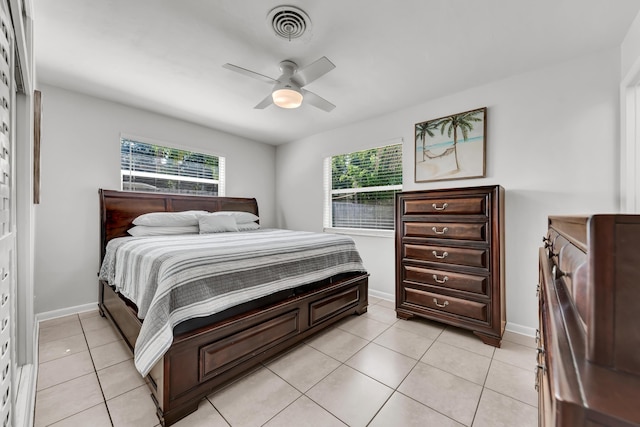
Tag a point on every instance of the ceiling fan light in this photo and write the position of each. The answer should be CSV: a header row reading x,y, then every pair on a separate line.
x,y
287,98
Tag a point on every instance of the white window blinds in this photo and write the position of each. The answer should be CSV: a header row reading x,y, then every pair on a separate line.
x,y
156,168
360,188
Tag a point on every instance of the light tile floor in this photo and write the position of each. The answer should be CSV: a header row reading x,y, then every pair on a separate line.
x,y
369,370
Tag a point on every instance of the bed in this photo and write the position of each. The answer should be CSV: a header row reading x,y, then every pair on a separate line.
x,y
207,352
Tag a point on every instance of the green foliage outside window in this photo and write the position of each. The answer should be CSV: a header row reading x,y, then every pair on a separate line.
x,y
368,168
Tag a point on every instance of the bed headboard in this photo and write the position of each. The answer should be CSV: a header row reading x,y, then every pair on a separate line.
x,y
118,209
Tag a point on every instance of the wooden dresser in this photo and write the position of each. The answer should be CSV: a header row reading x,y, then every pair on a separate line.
x,y
449,258
588,367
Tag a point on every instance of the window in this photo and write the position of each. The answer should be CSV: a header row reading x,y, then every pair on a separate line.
x,y
156,168
360,188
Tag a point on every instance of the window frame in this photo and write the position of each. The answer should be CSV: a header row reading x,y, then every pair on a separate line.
x,y
151,141
327,216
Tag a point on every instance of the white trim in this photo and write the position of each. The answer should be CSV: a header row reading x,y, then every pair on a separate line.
x,y
630,141
40,317
521,329
23,35
167,176
523,333
367,189
364,145
327,216
25,402
26,396
389,234
166,143
382,295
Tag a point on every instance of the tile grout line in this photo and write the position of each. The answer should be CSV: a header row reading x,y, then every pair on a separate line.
x,y
94,372
396,390
341,363
104,399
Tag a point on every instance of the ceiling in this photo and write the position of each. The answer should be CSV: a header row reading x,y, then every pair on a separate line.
x,y
166,56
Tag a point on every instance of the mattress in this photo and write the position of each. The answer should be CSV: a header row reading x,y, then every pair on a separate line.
x,y
172,279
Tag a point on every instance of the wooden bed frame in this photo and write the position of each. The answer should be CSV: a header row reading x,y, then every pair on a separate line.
x,y
206,358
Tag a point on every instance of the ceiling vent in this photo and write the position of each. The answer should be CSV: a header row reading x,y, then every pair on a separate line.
x,y
289,22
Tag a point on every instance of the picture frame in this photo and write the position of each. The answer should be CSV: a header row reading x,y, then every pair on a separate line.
x,y
451,147
37,119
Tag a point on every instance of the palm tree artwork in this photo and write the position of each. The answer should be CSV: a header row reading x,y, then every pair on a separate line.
x,y
462,121
423,130
440,153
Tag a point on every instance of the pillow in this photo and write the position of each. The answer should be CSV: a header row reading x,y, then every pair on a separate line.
x,y
145,230
169,219
248,226
217,223
241,217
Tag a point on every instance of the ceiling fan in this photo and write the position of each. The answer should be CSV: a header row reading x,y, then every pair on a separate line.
x,y
288,91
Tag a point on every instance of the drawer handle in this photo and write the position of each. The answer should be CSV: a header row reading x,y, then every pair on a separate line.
x,y
443,305
443,280
444,230
443,256
444,206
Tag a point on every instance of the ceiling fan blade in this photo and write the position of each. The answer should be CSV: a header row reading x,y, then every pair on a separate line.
x,y
313,71
317,101
250,73
264,103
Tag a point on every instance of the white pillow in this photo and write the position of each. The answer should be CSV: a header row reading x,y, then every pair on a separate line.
x,y
145,230
169,219
241,217
217,223
248,226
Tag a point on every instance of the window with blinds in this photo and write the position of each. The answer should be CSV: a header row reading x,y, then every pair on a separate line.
x,y
156,168
360,188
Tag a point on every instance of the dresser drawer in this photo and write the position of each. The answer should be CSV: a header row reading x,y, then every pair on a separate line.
x,y
446,279
447,255
472,309
447,230
446,206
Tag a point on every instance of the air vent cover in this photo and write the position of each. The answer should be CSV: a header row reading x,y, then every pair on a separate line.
x,y
289,22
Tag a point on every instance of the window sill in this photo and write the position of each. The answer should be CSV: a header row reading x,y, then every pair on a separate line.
x,y
360,232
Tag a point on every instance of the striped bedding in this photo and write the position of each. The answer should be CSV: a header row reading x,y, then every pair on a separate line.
x,y
175,278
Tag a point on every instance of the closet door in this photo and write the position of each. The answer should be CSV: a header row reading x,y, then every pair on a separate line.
x,y
7,222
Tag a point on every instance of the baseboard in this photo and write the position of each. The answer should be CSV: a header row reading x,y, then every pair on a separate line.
x,y
520,329
511,327
383,295
25,402
26,396
65,311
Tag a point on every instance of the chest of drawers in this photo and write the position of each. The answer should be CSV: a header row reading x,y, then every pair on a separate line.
x,y
588,358
449,258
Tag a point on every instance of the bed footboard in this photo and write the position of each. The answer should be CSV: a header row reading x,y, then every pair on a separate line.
x,y
202,360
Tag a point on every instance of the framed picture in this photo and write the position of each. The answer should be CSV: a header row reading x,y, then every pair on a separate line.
x,y
37,118
451,147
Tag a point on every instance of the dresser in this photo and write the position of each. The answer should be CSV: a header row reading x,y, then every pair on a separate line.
x,y
450,258
588,357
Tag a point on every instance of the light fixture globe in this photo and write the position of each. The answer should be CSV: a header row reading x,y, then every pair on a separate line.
x,y
287,97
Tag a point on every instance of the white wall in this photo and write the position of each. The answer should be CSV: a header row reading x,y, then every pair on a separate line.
x,y
631,47
80,154
551,143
